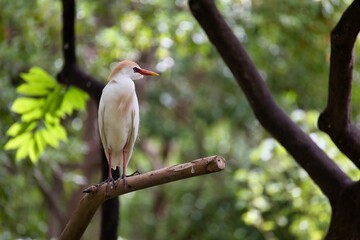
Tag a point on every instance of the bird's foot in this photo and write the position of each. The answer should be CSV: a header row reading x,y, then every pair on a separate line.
x,y
108,182
123,177
114,183
95,188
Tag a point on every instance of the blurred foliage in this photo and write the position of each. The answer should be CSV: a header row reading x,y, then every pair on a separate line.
x,y
194,109
281,200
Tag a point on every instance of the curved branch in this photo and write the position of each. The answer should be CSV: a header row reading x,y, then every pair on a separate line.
x,y
325,173
72,74
335,120
95,197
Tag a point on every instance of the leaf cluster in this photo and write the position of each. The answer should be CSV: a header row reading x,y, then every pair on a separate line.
x,y
41,108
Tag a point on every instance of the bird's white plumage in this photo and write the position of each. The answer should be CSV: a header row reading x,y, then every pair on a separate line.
x,y
118,115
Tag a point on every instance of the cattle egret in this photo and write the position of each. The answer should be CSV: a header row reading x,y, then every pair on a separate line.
x,y
118,116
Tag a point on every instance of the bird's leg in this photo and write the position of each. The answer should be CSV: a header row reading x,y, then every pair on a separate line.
x,y
124,166
110,177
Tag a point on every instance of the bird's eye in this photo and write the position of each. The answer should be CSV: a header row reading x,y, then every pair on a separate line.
x,y
136,69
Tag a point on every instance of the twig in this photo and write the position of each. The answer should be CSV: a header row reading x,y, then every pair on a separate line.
x,y
95,197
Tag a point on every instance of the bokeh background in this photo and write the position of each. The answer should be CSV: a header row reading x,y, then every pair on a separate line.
x,y
194,109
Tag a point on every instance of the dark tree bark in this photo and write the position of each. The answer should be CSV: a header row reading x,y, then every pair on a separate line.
x,y
336,118
342,192
72,74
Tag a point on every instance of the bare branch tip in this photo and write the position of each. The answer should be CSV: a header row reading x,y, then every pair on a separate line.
x,y
215,164
92,189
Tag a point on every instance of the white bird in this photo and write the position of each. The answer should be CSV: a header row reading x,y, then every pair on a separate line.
x,y
118,115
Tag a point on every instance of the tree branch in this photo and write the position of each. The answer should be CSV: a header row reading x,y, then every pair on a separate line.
x,y
94,198
325,173
335,120
71,73
68,31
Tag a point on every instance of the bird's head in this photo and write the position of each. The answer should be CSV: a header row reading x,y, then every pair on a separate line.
x,y
131,70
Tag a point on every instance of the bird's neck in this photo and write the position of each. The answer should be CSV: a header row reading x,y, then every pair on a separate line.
x,y
121,84
120,77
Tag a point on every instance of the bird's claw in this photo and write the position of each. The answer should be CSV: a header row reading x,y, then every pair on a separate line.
x,y
114,183
97,186
124,180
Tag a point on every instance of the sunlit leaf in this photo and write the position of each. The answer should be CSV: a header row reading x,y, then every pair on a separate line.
x,y
53,101
39,76
18,141
66,105
40,141
51,120
49,138
33,153
18,128
60,132
37,113
74,99
25,104
34,89
14,129
23,150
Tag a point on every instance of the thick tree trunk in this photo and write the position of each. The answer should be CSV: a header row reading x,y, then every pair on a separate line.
x,y
110,210
345,219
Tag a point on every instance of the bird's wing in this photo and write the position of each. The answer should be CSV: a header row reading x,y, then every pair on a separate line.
x,y
102,129
132,136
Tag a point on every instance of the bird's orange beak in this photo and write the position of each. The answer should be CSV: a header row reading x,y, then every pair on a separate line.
x,y
145,72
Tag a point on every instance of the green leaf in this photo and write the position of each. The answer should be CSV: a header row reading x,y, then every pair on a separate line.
x,y
18,141
60,132
53,102
34,89
33,115
74,99
39,76
24,149
14,129
49,137
25,104
40,142
19,128
34,152
51,120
